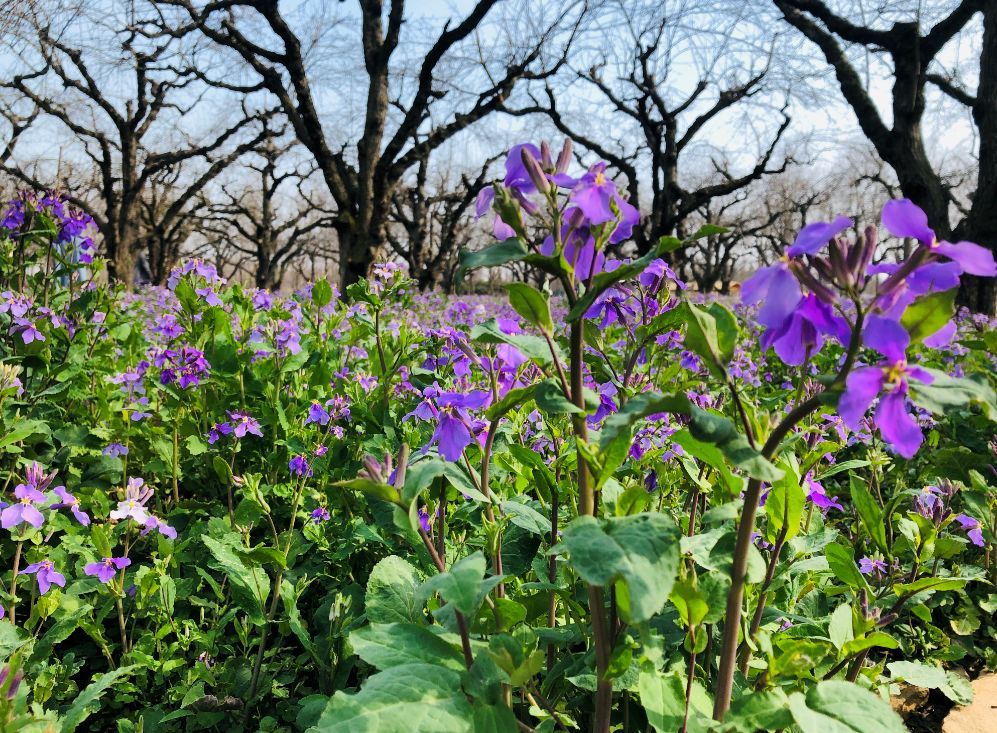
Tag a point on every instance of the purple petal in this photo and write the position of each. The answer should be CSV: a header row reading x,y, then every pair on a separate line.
x,y
755,287
934,276
887,337
941,337
593,201
484,201
897,426
972,258
453,437
904,218
783,297
814,236
861,388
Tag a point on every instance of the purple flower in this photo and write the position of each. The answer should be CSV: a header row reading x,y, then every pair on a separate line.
x,y
319,515
593,194
818,496
317,414
218,430
516,175
23,511
453,427
106,568
973,529
872,566
299,466
68,501
424,522
155,523
245,423
133,505
904,218
897,426
46,575
115,449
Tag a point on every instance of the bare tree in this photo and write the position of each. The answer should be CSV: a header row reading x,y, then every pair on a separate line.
x,y
120,139
274,219
398,109
655,126
912,54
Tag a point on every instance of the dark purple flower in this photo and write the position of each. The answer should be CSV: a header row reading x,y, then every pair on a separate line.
x,y
593,194
218,431
317,414
299,466
46,575
816,494
319,515
424,522
450,410
105,569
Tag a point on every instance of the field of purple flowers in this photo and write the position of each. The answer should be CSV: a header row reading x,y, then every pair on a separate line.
x,y
606,503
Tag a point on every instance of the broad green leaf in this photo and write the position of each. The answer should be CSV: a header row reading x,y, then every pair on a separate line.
x,y
690,602
81,708
533,347
926,315
663,698
512,399
711,333
642,550
501,253
289,595
551,399
839,628
394,645
526,517
368,486
755,711
461,585
784,506
322,293
710,428
869,641
918,673
392,593
929,583
531,304
947,393
869,512
419,476
621,423
833,706
842,563
250,586
414,697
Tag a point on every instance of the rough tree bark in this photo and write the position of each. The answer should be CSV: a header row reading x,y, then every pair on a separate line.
x,y
902,144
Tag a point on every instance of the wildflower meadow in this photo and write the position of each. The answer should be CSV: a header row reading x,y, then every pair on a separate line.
x,y
596,501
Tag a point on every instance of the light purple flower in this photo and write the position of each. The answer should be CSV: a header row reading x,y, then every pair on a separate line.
x,y
105,569
115,449
68,501
23,511
904,218
133,505
244,423
46,575
593,194
872,566
155,523
973,529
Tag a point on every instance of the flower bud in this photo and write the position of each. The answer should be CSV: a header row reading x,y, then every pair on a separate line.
x,y
564,157
546,159
535,171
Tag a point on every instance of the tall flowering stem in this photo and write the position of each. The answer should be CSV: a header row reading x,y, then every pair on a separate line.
x,y
746,527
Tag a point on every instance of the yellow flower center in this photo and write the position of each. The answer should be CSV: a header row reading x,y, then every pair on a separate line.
x,y
26,501
895,372
600,179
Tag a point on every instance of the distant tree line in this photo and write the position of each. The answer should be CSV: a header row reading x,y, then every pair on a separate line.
x,y
287,140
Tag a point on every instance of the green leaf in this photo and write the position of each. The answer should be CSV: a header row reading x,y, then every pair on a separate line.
x,y
754,711
869,641
642,550
531,304
461,585
839,628
946,393
710,428
289,596
420,476
394,645
926,315
512,399
833,706
369,486
663,698
917,673
495,718
414,697
784,506
250,586
81,708
711,333
322,293
551,399
502,253
869,513
392,593
526,517
533,347
621,423
841,560
929,583
690,602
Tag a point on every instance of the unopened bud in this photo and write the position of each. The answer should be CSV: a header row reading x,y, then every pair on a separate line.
x,y
564,157
839,265
535,171
546,159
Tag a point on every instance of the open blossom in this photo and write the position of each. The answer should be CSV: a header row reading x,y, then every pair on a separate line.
x,y
973,529
23,511
872,566
453,422
46,575
68,501
218,431
298,466
904,218
817,494
319,515
133,505
243,424
105,569
889,378
155,523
